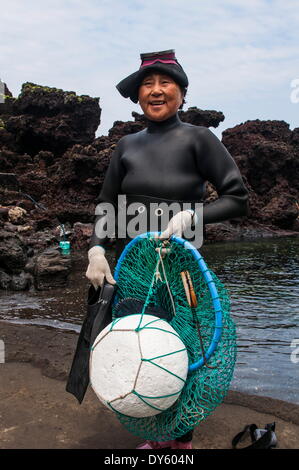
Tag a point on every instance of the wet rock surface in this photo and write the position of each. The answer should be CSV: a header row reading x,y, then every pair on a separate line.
x,y
52,166
51,269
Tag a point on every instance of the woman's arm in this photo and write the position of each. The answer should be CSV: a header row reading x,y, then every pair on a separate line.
x,y
218,167
108,198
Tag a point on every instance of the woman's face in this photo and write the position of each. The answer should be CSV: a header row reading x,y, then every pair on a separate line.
x,y
159,96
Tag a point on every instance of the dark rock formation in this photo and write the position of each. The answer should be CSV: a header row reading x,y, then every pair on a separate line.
x,y
121,128
267,153
52,166
200,117
50,119
13,256
13,259
51,269
81,235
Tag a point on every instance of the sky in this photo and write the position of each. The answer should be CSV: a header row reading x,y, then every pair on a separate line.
x,y
241,57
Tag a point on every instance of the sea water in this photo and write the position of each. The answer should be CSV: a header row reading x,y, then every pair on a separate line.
x,y
262,279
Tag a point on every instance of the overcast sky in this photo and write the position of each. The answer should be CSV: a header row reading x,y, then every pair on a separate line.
x,y
241,57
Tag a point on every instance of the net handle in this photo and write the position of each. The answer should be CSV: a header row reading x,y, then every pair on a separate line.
x,y
208,280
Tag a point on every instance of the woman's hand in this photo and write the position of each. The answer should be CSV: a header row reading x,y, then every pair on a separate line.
x,y
179,223
98,267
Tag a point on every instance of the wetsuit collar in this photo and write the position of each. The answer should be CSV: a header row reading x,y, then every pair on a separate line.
x,y
162,126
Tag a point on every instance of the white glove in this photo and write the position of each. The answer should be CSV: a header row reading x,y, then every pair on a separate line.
x,y
179,223
98,267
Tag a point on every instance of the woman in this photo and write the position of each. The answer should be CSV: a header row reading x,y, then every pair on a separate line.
x,y
169,161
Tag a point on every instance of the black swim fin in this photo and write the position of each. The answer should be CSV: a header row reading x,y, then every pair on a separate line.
x,y
99,315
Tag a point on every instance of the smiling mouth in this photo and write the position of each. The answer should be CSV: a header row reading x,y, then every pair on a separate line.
x,y
157,103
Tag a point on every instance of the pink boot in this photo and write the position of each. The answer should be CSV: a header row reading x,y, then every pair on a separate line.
x,y
155,445
181,445
166,444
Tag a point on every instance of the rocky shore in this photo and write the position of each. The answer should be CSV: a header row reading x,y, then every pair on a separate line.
x,y
52,168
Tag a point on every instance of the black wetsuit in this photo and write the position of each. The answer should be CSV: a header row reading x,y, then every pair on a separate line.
x,y
171,161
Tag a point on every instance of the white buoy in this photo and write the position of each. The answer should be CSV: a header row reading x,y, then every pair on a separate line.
x,y
138,365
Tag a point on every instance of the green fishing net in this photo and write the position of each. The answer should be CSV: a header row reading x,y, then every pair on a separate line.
x,y
152,279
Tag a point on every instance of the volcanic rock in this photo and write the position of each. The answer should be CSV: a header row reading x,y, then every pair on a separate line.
x,y
17,215
200,117
22,281
81,235
121,128
51,269
5,280
9,181
267,154
13,256
44,118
